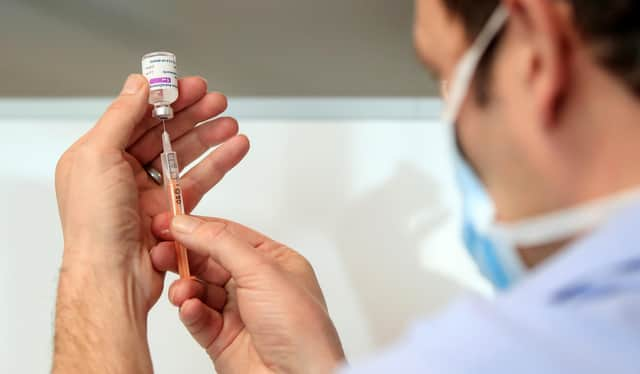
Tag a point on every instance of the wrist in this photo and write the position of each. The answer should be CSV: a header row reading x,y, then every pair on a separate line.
x,y
97,253
326,354
87,281
329,365
97,327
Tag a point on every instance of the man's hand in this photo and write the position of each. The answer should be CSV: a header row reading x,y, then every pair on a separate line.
x,y
106,200
255,305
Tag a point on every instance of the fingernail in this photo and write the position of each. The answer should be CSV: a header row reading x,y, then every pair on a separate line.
x,y
185,224
132,85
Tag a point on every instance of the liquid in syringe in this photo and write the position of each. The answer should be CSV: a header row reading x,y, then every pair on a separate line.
x,y
171,172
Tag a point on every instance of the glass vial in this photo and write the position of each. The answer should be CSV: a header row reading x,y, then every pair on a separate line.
x,y
160,70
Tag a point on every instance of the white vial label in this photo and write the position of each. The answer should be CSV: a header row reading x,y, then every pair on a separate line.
x,y
160,70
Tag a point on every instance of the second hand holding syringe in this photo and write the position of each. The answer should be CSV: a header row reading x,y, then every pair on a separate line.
x,y
171,172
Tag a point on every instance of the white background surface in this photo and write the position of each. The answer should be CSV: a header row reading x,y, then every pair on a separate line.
x,y
370,202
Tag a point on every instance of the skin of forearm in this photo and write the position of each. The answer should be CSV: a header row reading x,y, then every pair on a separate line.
x,y
97,328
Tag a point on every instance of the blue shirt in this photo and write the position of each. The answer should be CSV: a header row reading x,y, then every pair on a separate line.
x,y
579,313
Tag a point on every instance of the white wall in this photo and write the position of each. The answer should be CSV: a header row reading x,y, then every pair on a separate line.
x,y
370,202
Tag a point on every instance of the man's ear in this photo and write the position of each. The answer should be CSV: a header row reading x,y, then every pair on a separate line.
x,y
542,26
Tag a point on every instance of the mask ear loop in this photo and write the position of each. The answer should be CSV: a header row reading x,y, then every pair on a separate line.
x,y
563,225
466,68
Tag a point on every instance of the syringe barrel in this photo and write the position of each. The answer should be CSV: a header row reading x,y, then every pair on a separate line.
x,y
170,167
176,201
171,172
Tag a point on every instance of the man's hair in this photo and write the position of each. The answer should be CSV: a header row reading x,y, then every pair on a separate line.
x,y
610,28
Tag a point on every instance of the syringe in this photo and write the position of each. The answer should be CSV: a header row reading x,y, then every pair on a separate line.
x,y
171,173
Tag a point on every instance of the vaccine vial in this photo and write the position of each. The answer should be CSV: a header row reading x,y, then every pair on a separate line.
x,y
160,70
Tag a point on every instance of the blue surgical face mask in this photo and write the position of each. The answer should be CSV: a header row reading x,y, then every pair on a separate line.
x,y
478,210
494,245
498,263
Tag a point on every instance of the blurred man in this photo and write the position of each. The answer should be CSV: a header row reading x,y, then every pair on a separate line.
x,y
543,100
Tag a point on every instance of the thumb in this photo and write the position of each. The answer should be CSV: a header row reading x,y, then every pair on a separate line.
x,y
116,125
213,239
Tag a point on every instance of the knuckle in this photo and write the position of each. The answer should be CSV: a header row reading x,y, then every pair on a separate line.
x,y
117,105
301,264
305,264
217,167
202,138
62,164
